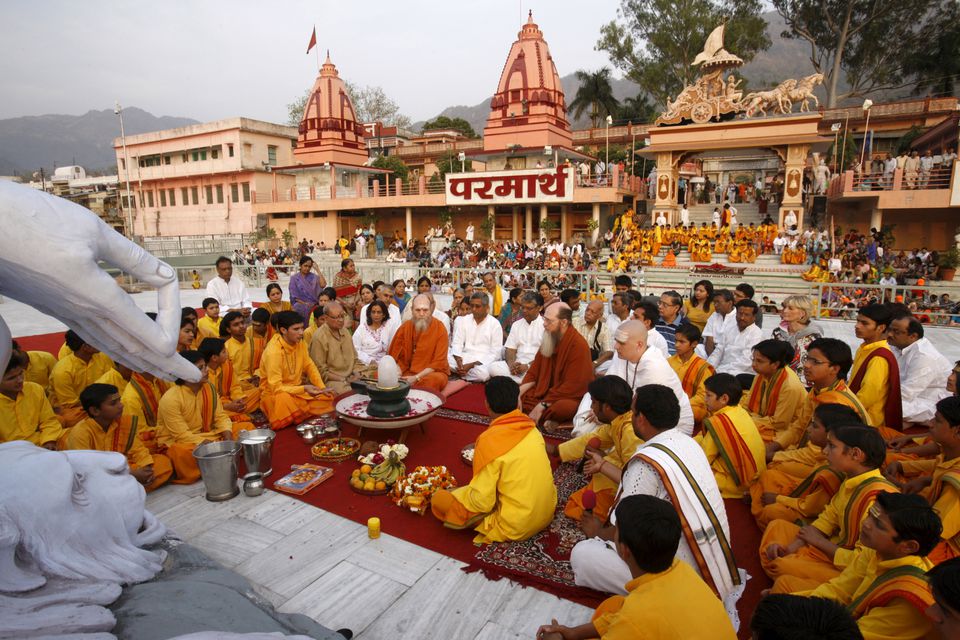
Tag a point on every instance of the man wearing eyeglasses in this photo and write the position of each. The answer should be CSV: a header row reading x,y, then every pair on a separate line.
x,y
670,306
923,369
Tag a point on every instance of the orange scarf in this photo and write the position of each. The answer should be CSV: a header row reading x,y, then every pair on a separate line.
x,y
765,392
126,431
735,453
149,399
208,406
909,583
822,477
501,436
696,372
861,499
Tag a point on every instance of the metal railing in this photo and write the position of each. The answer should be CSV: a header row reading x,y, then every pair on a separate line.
x,y
841,300
163,247
899,180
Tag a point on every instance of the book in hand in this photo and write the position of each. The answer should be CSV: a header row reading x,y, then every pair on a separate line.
x,y
302,478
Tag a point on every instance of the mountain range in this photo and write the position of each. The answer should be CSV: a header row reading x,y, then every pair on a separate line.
x,y
30,142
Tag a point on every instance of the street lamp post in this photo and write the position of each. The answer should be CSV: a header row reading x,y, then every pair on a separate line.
x,y
128,213
609,122
866,132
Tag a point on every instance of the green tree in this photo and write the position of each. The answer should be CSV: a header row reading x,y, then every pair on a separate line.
x,y
848,153
457,124
936,66
450,163
395,164
903,144
295,109
654,42
638,110
595,93
861,41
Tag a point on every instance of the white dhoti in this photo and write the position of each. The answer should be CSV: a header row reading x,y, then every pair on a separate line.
x,y
479,373
501,368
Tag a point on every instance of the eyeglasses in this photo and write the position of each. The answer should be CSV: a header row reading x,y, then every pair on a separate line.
x,y
814,361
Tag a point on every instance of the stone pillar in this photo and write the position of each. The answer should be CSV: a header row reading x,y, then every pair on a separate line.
x,y
564,224
528,225
515,219
876,219
666,195
492,213
793,185
595,216
409,216
544,213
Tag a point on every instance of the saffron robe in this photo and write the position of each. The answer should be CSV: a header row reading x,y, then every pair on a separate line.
x,y
141,399
40,367
512,483
29,417
70,377
773,402
944,496
875,378
839,521
121,437
837,393
560,380
734,448
282,396
187,419
415,352
228,387
620,443
244,355
888,598
797,498
115,378
693,373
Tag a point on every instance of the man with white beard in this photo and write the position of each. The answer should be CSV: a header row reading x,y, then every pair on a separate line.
x,y
477,341
639,364
420,347
524,340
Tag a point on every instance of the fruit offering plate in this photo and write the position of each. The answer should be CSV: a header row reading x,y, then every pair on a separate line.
x,y
374,492
334,449
413,490
466,454
352,408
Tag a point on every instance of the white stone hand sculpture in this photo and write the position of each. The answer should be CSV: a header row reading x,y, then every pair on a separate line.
x,y
49,249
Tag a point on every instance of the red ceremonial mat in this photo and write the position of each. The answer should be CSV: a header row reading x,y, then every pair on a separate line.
x,y
469,400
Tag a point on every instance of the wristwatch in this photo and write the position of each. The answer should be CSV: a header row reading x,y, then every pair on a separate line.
x,y
544,405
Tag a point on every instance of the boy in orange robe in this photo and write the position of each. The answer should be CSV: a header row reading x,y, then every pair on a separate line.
x,y
284,398
74,373
803,558
236,402
420,348
107,429
691,368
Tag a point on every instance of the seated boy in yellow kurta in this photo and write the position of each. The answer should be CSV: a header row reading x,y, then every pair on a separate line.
x,y
284,398
885,586
511,495
108,429
799,483
938,479
665,598
692,370
236,402
118,376
776,393
730,439
141,399
40,366
804,558
25,412
190,414
615,444
209,325
244,352
74,373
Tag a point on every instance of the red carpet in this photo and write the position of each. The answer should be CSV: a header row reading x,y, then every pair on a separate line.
x,y
50,342
470,400
745,540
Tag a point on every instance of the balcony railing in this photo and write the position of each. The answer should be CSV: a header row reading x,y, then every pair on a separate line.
x,y
900,180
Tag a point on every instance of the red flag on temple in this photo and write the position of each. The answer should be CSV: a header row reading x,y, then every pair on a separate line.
x,y
313,40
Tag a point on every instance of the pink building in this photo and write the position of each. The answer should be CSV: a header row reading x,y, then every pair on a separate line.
x,y
202,179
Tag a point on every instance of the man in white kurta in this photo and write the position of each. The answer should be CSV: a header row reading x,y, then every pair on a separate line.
x,y
722,320
923,369
639,364
736,349
230,292
524,340
619,313
595,561
477,341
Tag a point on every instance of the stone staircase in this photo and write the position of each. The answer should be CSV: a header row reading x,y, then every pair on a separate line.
x,y
747,212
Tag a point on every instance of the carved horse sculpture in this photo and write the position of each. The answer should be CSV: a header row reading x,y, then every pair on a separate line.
x,y
803,91
776,99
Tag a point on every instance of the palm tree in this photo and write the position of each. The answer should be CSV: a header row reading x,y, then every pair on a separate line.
x,y
596,93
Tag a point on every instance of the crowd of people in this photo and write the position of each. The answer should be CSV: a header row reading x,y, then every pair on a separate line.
x,y
671,404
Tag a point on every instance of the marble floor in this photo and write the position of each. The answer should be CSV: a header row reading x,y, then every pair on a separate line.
x,y
306,560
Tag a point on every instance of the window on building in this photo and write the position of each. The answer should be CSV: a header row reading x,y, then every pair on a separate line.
x,y
219,194
272,155
149,198
234,192
230,150
123,164
195,195
171,196
184,157
167,159
246,192
284,216
198,154
215,153
209,193
163,197
184,196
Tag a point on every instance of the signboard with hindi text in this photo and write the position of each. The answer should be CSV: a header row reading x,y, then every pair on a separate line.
x,y
554,184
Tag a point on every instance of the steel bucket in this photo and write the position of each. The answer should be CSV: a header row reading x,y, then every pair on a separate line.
x,y
258,450
218,468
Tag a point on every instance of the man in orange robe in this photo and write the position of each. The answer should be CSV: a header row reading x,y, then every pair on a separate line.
x,y
558,376
284,398
420,348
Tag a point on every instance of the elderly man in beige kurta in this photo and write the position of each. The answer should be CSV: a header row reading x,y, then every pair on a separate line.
x,y
332,350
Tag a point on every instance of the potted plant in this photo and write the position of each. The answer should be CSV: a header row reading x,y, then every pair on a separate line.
x,y
489,227
949,260
592,226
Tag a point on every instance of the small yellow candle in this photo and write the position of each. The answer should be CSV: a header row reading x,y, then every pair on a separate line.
x,y
373,528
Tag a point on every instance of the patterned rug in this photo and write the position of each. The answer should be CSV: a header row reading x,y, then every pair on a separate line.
x,y
543,560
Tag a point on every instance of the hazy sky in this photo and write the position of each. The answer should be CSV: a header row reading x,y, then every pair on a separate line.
x,y
213,59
